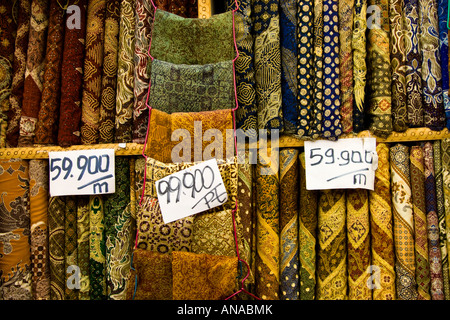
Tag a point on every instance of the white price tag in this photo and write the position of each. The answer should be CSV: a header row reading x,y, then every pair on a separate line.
x,y
342,164
190,191
81,172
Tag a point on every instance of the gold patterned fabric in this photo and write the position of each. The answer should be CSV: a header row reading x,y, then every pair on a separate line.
x,y
346,9
434,250
191,128
83,231
125,72
381,229
378,71
39,229
267,259
97,248
403,223
440,206
203,276
266,29
307,235
332,246
420,223
358,244
398,65
15,262
56,214
445,156
70,245
359,63
289,246
92,80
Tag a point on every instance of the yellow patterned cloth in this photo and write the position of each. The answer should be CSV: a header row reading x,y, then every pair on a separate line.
x,y
332,249
445,156
382,237
403,223
15,262
267,259
358,244
307,235
289,246
420,222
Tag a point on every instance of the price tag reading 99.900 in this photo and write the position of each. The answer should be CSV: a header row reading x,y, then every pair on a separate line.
x,y
343,164
81,172
190,191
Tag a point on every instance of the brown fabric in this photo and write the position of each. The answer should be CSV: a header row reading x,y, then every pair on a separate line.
x,y
154,276
159,144
72,81
47,125
203,276
109,79
34,71
18,75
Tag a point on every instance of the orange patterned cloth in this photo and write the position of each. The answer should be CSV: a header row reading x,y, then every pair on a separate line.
x,y
203,276
193,126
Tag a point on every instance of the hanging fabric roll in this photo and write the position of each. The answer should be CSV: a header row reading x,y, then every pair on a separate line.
x,y
39,241
437,285
307,235
97,248
267,259
413,65
83,231
359,63
33,84
378,68
70,247
119,239
358,244
289,40
8,30
142,35
267,59
420,222
47,121
434,114
440,206
93,63
382,237
398,65
289,246
246,114
125,72
18,72
403,223
346,63
72,80
109,73
317,113
15,262
332,249
56,240
445,156
443,49
332,126
302,114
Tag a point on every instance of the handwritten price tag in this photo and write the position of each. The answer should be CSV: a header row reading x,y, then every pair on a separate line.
x,y
81,172
190,191
343,164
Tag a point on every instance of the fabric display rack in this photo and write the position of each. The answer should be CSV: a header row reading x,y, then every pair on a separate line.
x,y
127,74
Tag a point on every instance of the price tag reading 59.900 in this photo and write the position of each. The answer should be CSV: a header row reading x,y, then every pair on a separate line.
x,y
81,172
343,164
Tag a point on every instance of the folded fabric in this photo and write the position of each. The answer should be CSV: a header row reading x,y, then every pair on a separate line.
x,y
194,145
203,276
192,88
191,40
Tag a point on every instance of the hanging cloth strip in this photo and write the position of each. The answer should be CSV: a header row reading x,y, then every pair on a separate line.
x,y
443,49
